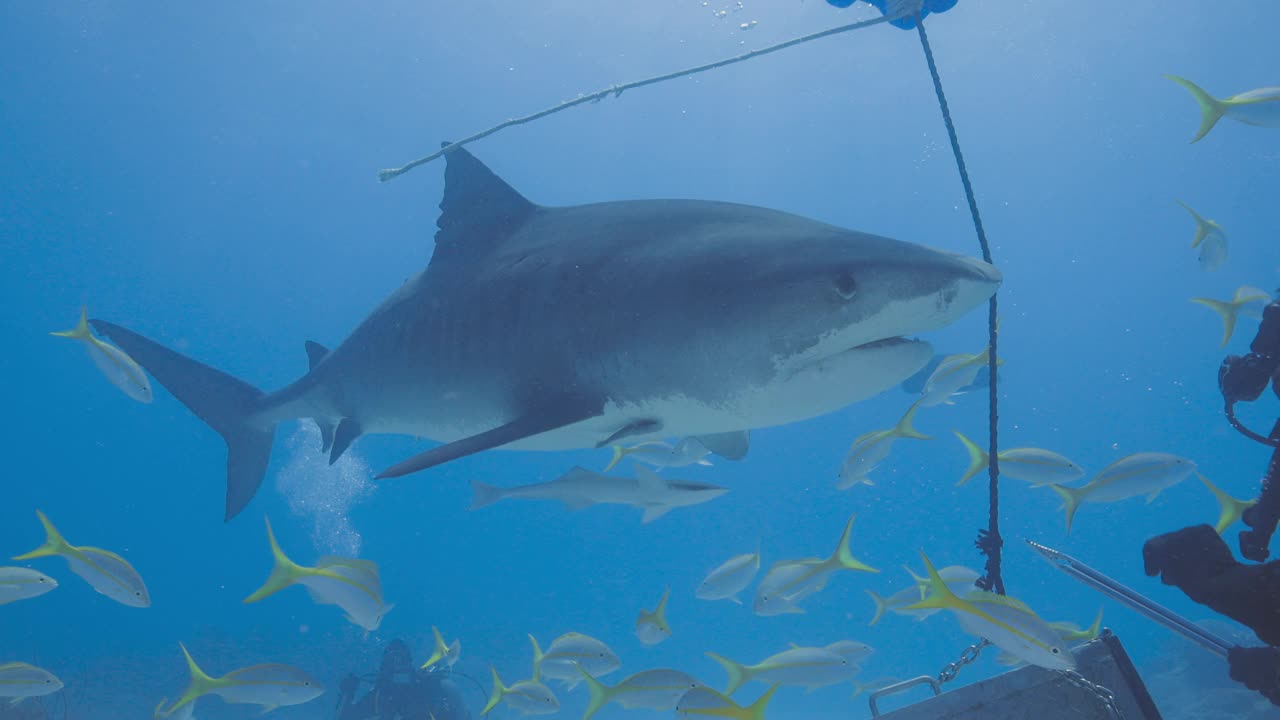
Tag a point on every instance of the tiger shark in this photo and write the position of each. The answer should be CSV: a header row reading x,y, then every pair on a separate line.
x,y
555,328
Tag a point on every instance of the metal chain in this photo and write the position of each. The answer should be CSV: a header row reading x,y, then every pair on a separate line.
x,y
1105,697
968,657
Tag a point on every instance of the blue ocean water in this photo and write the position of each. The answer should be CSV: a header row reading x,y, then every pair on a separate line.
x,y
207,176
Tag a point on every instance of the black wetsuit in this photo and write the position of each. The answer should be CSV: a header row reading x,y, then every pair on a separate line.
x,y
421,695
1199,562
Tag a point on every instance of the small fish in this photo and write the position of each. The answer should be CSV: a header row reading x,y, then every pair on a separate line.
x,y
895,603
1210,238
528,697
652,627
870,449
731,578
959,578
569,653
1034,465
1231,509
581,488
1008,623
18,583
105,571
952,374
449,654
689,451
19,681
914,385
352,585
1070,633
705,701
657,690
114,363
790,581
1133,475
873,685
853,650
1255,107
270,686
809,667
1230,310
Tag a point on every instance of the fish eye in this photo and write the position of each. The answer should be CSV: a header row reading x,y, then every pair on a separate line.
x,y
845,285
1055,651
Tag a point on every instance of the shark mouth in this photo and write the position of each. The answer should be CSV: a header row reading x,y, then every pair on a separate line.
x,y
849,354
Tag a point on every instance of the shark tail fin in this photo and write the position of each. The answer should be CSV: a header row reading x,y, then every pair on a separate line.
x,y
222,401
1211,109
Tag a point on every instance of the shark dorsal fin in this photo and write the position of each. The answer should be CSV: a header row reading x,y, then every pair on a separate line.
x,y
478,209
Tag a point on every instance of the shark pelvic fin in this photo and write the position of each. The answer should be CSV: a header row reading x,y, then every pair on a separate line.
x,y
345,434
326,434
538,419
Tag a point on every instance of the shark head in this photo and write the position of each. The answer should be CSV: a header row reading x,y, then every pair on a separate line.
x,y
819,316
859,295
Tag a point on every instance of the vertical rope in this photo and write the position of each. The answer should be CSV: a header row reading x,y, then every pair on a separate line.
x,y
989,540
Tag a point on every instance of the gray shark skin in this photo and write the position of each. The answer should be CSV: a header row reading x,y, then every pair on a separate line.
x,y
549,328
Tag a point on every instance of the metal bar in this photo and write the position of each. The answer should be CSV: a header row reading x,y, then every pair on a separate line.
x,y
1133,600
902,687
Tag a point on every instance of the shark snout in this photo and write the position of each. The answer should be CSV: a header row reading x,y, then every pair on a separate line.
x,y
974,282
978,271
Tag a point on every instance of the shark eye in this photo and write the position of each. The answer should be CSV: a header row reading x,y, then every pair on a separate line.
x,y
845,285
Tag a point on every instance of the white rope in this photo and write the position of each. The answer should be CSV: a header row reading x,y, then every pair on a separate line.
x,y
616,90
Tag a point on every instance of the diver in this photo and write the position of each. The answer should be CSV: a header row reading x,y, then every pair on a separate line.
x,y
1197,560
402,692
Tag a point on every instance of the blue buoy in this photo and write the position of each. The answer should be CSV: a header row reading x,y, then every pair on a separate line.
x,y
906,23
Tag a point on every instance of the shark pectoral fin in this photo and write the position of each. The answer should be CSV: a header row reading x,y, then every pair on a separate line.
x,y
653,512
537,420
635,427
315,353
346,433
730,445
326,434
